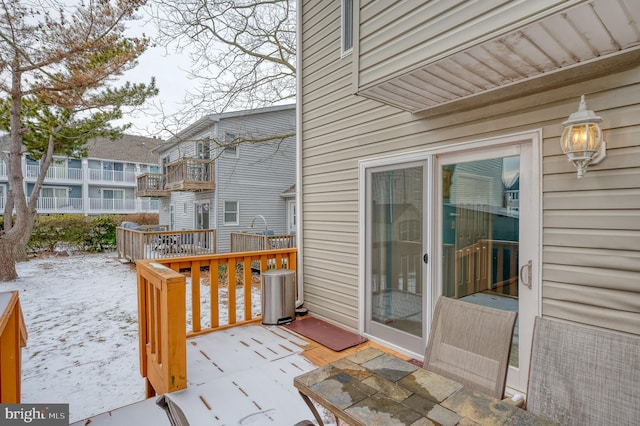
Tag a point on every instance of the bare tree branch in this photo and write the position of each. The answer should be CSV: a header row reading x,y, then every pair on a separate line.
x,y
243,52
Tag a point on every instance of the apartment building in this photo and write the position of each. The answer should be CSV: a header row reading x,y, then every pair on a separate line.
x,y
232,172
102,183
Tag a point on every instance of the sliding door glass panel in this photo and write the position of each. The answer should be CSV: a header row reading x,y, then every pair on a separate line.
x,y
396,220
481,223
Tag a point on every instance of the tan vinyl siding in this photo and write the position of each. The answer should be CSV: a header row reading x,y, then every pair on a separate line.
x,y
393,41
591,235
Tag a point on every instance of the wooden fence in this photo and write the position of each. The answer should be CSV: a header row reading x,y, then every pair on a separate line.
x,y
13,337
162,306
134,245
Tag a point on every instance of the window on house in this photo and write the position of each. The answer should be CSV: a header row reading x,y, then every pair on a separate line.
x,y
230,149
203,150
33,167
112,171
347,26
53,192
165,161
112,199
53,197
230,212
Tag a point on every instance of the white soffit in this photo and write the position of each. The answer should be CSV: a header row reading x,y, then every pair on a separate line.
x,y
583,34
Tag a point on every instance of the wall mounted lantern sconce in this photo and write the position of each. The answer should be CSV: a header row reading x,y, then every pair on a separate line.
x,y
581,140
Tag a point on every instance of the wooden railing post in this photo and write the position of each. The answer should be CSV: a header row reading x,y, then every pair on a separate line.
x,y
162,328
13,336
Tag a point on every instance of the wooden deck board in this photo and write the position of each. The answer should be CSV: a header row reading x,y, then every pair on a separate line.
x,y
241,374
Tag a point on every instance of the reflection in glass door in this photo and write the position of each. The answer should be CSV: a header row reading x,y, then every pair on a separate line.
x,y
395,247
486,239
481,233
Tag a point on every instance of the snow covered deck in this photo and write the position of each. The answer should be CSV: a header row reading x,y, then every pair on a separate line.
x,y
241,375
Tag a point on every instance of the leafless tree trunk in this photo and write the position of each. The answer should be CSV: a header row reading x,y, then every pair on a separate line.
x,y
57,63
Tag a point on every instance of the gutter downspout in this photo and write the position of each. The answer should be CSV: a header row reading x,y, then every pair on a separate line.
x,y
299,227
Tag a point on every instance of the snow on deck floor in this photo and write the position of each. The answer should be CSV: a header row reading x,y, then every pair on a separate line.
x,y
239,376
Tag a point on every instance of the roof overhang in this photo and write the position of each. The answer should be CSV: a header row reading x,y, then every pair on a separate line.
x,y
578,43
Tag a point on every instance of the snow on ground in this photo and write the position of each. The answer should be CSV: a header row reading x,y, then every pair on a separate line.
x,y
82,324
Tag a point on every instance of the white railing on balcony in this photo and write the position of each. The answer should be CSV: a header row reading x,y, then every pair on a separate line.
x,y
55,172
76,205
148,205
99,175
108,205
54,204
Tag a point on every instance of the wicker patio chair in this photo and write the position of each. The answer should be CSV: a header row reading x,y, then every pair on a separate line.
x,y
471,344
584,376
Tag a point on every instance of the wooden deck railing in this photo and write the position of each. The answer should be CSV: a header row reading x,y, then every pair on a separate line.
x,y
242,241
162,286
151,185
190,174
13,337
162,329
145,244
487,265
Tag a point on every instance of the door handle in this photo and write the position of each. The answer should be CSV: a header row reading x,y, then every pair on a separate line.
x,y
529,269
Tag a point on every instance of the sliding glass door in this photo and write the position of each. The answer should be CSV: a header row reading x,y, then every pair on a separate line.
x,y
488,243
462,223
396,230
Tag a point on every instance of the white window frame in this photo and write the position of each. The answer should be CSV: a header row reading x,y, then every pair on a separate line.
x,y
230,151
119,190
54,188
479,149
203,150
165,160
58,201
292,219
237,213
346,27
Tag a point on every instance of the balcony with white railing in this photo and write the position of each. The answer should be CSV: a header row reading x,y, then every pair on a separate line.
x,y
112,176
59,205
147,205
96,205
55,173
107,205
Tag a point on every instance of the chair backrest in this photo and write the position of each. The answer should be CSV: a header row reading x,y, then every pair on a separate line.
x,y
174,412
470,344
584,376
